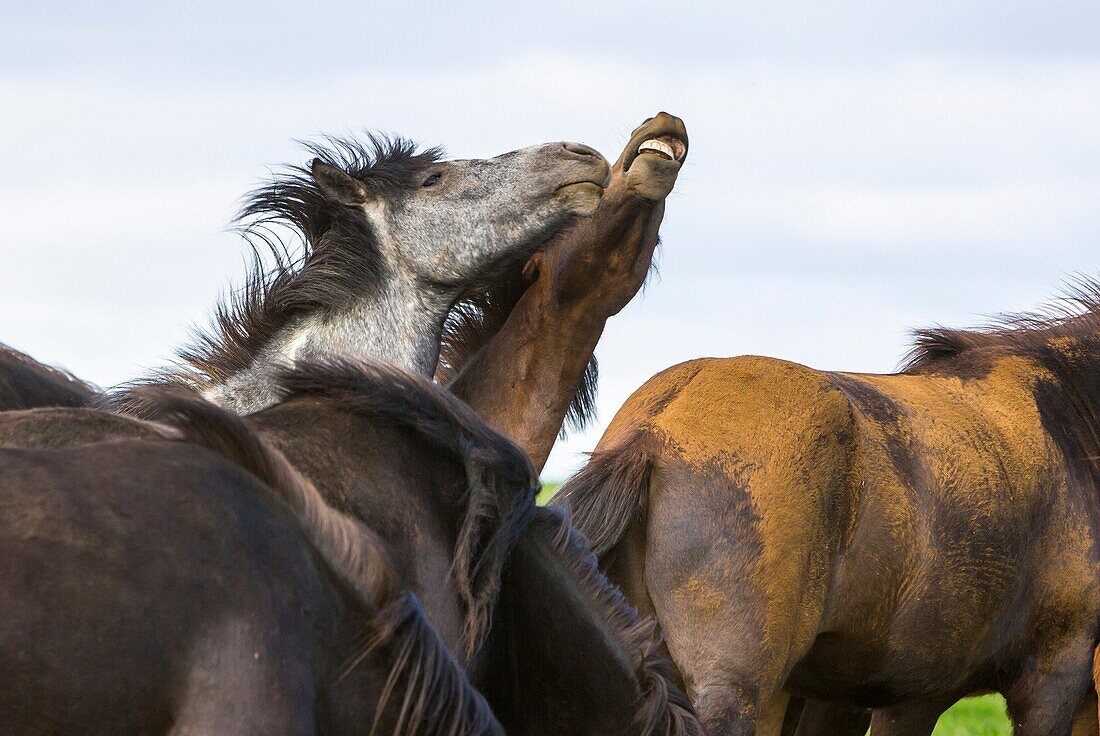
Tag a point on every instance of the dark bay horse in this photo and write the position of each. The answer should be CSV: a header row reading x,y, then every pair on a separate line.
x,y
153,586
892,542
452,500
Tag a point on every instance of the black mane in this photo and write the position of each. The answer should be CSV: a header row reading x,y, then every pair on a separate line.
x,y
502,484
331,258
1072,319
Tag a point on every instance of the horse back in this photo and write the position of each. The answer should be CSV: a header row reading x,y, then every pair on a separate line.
x,y
158,563
748,499
57,428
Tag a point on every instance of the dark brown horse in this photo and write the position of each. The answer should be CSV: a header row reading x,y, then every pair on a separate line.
x,y
151,586
892,542
452,500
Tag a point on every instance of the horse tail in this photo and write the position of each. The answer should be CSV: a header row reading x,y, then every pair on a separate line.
x,y
606,496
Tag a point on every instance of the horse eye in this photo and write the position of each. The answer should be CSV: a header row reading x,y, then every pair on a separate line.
x,y
432,180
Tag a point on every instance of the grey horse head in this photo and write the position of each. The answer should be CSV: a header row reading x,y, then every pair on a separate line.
x,y
453,222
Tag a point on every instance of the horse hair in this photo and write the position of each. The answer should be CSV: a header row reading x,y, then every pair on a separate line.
x,y
501,483
334,261
664,709
1074,316
436,697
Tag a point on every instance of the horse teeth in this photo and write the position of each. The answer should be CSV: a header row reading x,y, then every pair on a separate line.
x,y
657,146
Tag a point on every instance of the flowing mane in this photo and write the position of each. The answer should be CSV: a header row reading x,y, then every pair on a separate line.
x,y
1073,321
502,484
432,690
329,260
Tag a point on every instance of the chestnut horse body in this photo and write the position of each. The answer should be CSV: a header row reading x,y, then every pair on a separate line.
x,y
893,542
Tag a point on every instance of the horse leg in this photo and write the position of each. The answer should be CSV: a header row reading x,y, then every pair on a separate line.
x,y
1085,722
706,590
832,719
1046,698
913,718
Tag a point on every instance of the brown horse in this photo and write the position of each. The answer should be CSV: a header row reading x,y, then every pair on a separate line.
x,y
452,500
892,542
521,354
153,587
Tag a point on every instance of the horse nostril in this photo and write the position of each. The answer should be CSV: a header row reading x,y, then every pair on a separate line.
x,y
581,150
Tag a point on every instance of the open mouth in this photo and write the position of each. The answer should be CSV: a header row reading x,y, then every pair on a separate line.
x,y
662,139
668,147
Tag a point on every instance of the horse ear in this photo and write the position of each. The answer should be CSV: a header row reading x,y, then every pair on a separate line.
x,y
338,183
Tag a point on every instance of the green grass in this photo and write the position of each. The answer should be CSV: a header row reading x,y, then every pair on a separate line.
x,y
981,716
548,491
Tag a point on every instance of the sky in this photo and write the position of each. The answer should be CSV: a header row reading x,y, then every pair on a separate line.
x,y
856,169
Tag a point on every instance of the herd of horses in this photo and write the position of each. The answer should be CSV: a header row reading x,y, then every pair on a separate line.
x,y
321,519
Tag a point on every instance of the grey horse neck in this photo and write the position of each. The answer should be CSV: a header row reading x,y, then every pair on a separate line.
x,y
400,324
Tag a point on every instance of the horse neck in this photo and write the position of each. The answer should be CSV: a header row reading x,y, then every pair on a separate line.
x,y
547,341
401,323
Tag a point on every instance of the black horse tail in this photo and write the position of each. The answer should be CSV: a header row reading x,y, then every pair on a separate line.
x,y
605,497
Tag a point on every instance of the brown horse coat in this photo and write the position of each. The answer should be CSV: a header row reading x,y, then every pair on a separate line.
x,y
894,541
25,383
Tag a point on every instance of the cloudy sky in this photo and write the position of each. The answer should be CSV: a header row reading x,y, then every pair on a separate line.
x,y
856,170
